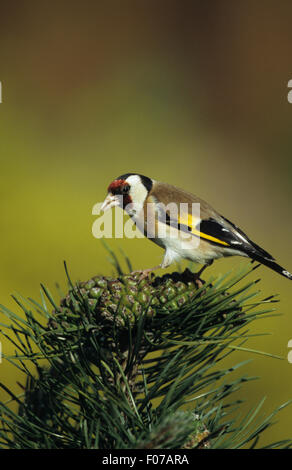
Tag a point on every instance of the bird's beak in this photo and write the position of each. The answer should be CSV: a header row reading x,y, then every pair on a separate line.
x,y
109,202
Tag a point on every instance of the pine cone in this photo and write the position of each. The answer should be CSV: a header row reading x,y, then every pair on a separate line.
x,y
102,309
120,301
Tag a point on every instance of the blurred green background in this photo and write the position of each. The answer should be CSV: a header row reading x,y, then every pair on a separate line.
x,y
193,93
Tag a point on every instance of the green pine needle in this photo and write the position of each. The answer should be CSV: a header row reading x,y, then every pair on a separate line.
x,y
150,379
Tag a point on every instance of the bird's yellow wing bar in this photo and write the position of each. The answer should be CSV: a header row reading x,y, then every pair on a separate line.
x,y
192,223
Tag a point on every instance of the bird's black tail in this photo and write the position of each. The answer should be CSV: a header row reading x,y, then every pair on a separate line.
x,y
270,263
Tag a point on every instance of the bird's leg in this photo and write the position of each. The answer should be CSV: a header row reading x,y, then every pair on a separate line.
x,y
197,275
167,260
145,272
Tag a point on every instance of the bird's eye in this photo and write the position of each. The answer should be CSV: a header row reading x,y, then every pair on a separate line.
x,y
125,189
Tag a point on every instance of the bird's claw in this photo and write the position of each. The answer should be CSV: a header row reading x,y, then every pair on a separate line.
x,y
143,273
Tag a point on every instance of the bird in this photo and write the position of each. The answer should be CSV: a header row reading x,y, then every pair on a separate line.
x,y
165,214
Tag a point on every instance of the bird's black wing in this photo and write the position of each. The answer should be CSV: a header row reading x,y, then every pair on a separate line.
x,y
222,232
228,232
238,240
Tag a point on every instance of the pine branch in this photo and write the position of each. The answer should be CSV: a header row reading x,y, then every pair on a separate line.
x,y
125,356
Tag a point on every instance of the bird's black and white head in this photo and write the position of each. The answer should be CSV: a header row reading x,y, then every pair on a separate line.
x,y
129,192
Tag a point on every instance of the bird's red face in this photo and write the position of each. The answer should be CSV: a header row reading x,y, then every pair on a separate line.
x,y
118,195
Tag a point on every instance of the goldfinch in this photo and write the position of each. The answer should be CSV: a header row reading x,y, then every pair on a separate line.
x,y
201,237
